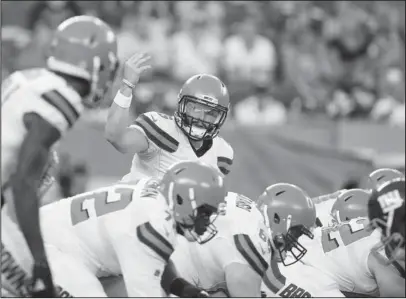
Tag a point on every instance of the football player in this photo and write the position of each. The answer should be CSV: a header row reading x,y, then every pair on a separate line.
x,y
240,249
290,214
386,210
343,253
128,229
38,107
158,140
324,204
350,204
383,175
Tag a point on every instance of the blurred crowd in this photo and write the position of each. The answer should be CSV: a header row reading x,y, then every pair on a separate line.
x,y
341,59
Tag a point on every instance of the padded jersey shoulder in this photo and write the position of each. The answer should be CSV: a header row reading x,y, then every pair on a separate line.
x,y
160,129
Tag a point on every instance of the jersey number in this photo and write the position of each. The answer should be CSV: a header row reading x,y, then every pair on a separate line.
x,y
344,234
84,207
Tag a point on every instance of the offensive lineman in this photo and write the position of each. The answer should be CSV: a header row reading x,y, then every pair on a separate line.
x,y
344,252
129,229
290,213
241,248
38,107
158,140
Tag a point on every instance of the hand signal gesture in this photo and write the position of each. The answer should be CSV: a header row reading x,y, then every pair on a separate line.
x,y
135,66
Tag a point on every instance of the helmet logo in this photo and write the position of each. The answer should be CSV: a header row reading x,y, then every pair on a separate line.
x,y
208,99
390,201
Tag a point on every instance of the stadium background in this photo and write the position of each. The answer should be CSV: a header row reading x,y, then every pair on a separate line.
x,y
317,87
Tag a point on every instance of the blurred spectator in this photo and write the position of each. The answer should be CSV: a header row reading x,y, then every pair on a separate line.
x,y
324,56
392,97
249,56
34,55
195,50
260,109
52,13
13,40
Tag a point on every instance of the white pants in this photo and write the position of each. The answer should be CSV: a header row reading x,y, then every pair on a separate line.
x,y
70,275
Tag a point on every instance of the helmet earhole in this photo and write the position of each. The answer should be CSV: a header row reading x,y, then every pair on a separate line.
x,y
179,200
276,218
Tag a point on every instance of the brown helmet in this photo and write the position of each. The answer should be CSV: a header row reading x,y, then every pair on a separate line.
x,y
196,191
85,47
205,93
350,204
291,213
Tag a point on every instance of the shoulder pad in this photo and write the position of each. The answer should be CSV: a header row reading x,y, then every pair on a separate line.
x,y
225,155
158,127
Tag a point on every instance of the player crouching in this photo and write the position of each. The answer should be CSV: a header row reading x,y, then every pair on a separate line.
x,y
128,230
290,215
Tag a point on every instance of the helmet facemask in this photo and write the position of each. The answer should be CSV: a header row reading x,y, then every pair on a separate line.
x,y
204,126
393,244
288,242
200,226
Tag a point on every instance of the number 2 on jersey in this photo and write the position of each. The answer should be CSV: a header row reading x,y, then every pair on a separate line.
x,y
84,207
344,234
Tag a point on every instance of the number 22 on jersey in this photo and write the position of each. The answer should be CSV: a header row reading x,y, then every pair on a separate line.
x,y
344,234
96,204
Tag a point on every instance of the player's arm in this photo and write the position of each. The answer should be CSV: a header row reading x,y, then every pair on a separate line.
x,y
124,138
32,159
225,159
243,265
172,283
389,282
117,131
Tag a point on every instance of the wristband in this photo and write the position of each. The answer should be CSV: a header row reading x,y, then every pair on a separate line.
x,y
128,83
123,101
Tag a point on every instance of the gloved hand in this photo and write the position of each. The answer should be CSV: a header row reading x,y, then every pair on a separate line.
x,y
42,285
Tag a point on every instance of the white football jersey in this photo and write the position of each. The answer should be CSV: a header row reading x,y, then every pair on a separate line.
x,y
305,281
33,91
242,238
169,145
122,229
341,251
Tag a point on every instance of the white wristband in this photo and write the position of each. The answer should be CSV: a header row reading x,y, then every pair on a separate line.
x,y
123,101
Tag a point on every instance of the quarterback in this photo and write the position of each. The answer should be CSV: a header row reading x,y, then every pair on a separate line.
x,y
158,140
127,229
38,107
241,248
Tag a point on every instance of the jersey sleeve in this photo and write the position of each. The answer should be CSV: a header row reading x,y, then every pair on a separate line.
x,y
45,94
143,252
240,249
225,157
60,110
155,127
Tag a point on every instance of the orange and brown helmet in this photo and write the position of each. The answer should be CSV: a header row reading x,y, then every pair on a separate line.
x,y
203,105
85,47
381,176
289,213
386,211
196,191
350,204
